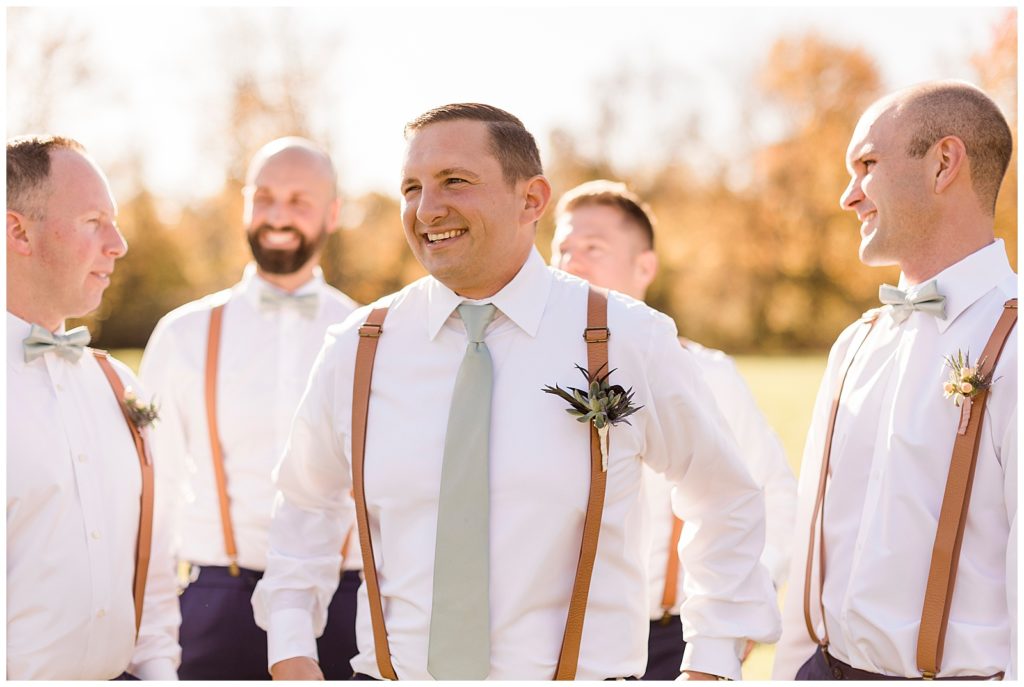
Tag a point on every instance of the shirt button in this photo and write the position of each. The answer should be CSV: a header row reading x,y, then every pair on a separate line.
x,y
100,613
60,387
95,534
82,457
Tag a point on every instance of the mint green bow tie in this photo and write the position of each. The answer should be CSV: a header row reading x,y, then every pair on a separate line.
x,y
927,299
306,303
69,346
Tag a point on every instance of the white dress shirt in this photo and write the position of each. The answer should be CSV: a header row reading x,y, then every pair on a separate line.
x,y
765,459
73,495
890,458
265,358
539,467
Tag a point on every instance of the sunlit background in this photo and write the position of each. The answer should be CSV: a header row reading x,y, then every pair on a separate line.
x,y
731,122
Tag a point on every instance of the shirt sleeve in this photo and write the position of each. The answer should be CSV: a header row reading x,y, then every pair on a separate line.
x,y
312,512
796,646
157,653
729,595
1009,457
763,454
168,436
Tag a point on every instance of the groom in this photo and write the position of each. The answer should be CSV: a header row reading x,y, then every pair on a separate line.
x,y
476,482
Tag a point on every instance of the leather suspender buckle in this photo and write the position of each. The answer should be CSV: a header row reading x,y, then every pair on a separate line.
x,y
371,330
596,334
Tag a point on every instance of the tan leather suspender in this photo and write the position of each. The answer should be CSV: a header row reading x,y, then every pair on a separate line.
x,y
869,318
596,335
144,540
216,453
670,592
956,500
369,334
952,515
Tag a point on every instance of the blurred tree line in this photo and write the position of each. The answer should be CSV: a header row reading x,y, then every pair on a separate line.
x,y
756,255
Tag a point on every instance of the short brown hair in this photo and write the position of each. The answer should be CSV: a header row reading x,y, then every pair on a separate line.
x,y
611,194
512,145
954,108
28,171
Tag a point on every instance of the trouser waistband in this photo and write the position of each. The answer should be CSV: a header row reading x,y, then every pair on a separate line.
x,y
844,671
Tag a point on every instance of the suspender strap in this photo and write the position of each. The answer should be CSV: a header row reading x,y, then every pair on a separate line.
x,y
668,596
596,335
869,320
955,501
212,356
144,541
369,336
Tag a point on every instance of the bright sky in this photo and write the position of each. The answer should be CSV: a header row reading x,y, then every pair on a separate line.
x,y
160,72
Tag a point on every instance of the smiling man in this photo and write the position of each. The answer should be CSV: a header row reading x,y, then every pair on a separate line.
x,y
477,484
892,450
229,370
604,233
90,587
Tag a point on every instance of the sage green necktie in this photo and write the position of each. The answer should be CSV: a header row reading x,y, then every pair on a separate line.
x,y
460,628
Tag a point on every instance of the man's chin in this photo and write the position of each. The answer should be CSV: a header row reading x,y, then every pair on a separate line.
x,y
873,254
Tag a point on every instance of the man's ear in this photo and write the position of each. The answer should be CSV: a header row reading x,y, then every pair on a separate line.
x,y
536,196
951,161
645,266
332,215
17,236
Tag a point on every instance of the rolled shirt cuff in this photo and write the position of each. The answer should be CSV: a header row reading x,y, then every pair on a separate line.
x,y
290,634
714,655
156,669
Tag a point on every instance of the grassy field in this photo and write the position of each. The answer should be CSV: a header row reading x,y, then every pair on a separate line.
x,y
784,387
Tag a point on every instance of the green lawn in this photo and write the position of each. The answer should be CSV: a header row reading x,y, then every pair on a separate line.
x,y
784,387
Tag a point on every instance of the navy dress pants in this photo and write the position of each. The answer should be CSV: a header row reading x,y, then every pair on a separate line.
x,y
665,648
221,641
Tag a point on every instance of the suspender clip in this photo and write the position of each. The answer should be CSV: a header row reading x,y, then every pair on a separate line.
x,y
233,569
928,675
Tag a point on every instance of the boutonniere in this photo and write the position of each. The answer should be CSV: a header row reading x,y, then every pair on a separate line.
x,y
965,380
142,415
602,404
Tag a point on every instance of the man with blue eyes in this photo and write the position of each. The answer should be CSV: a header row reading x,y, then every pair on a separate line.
x,y
906,534
229,370
478,496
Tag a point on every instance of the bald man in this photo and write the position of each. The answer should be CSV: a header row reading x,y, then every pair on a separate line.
x,y
229,370
925,165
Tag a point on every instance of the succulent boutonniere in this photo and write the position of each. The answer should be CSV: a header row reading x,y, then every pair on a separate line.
x,y
142,415
601,403
965,380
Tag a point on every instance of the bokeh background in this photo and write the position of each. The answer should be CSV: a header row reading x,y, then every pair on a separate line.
x,y
732,122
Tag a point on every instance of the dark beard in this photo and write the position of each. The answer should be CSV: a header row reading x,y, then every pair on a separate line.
x,y
284,261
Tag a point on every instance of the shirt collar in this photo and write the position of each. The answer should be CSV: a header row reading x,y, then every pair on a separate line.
x,y
252,285
968,280
17,331
522,300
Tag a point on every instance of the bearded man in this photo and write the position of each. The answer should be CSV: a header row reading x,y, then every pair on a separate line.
x,y
228,370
